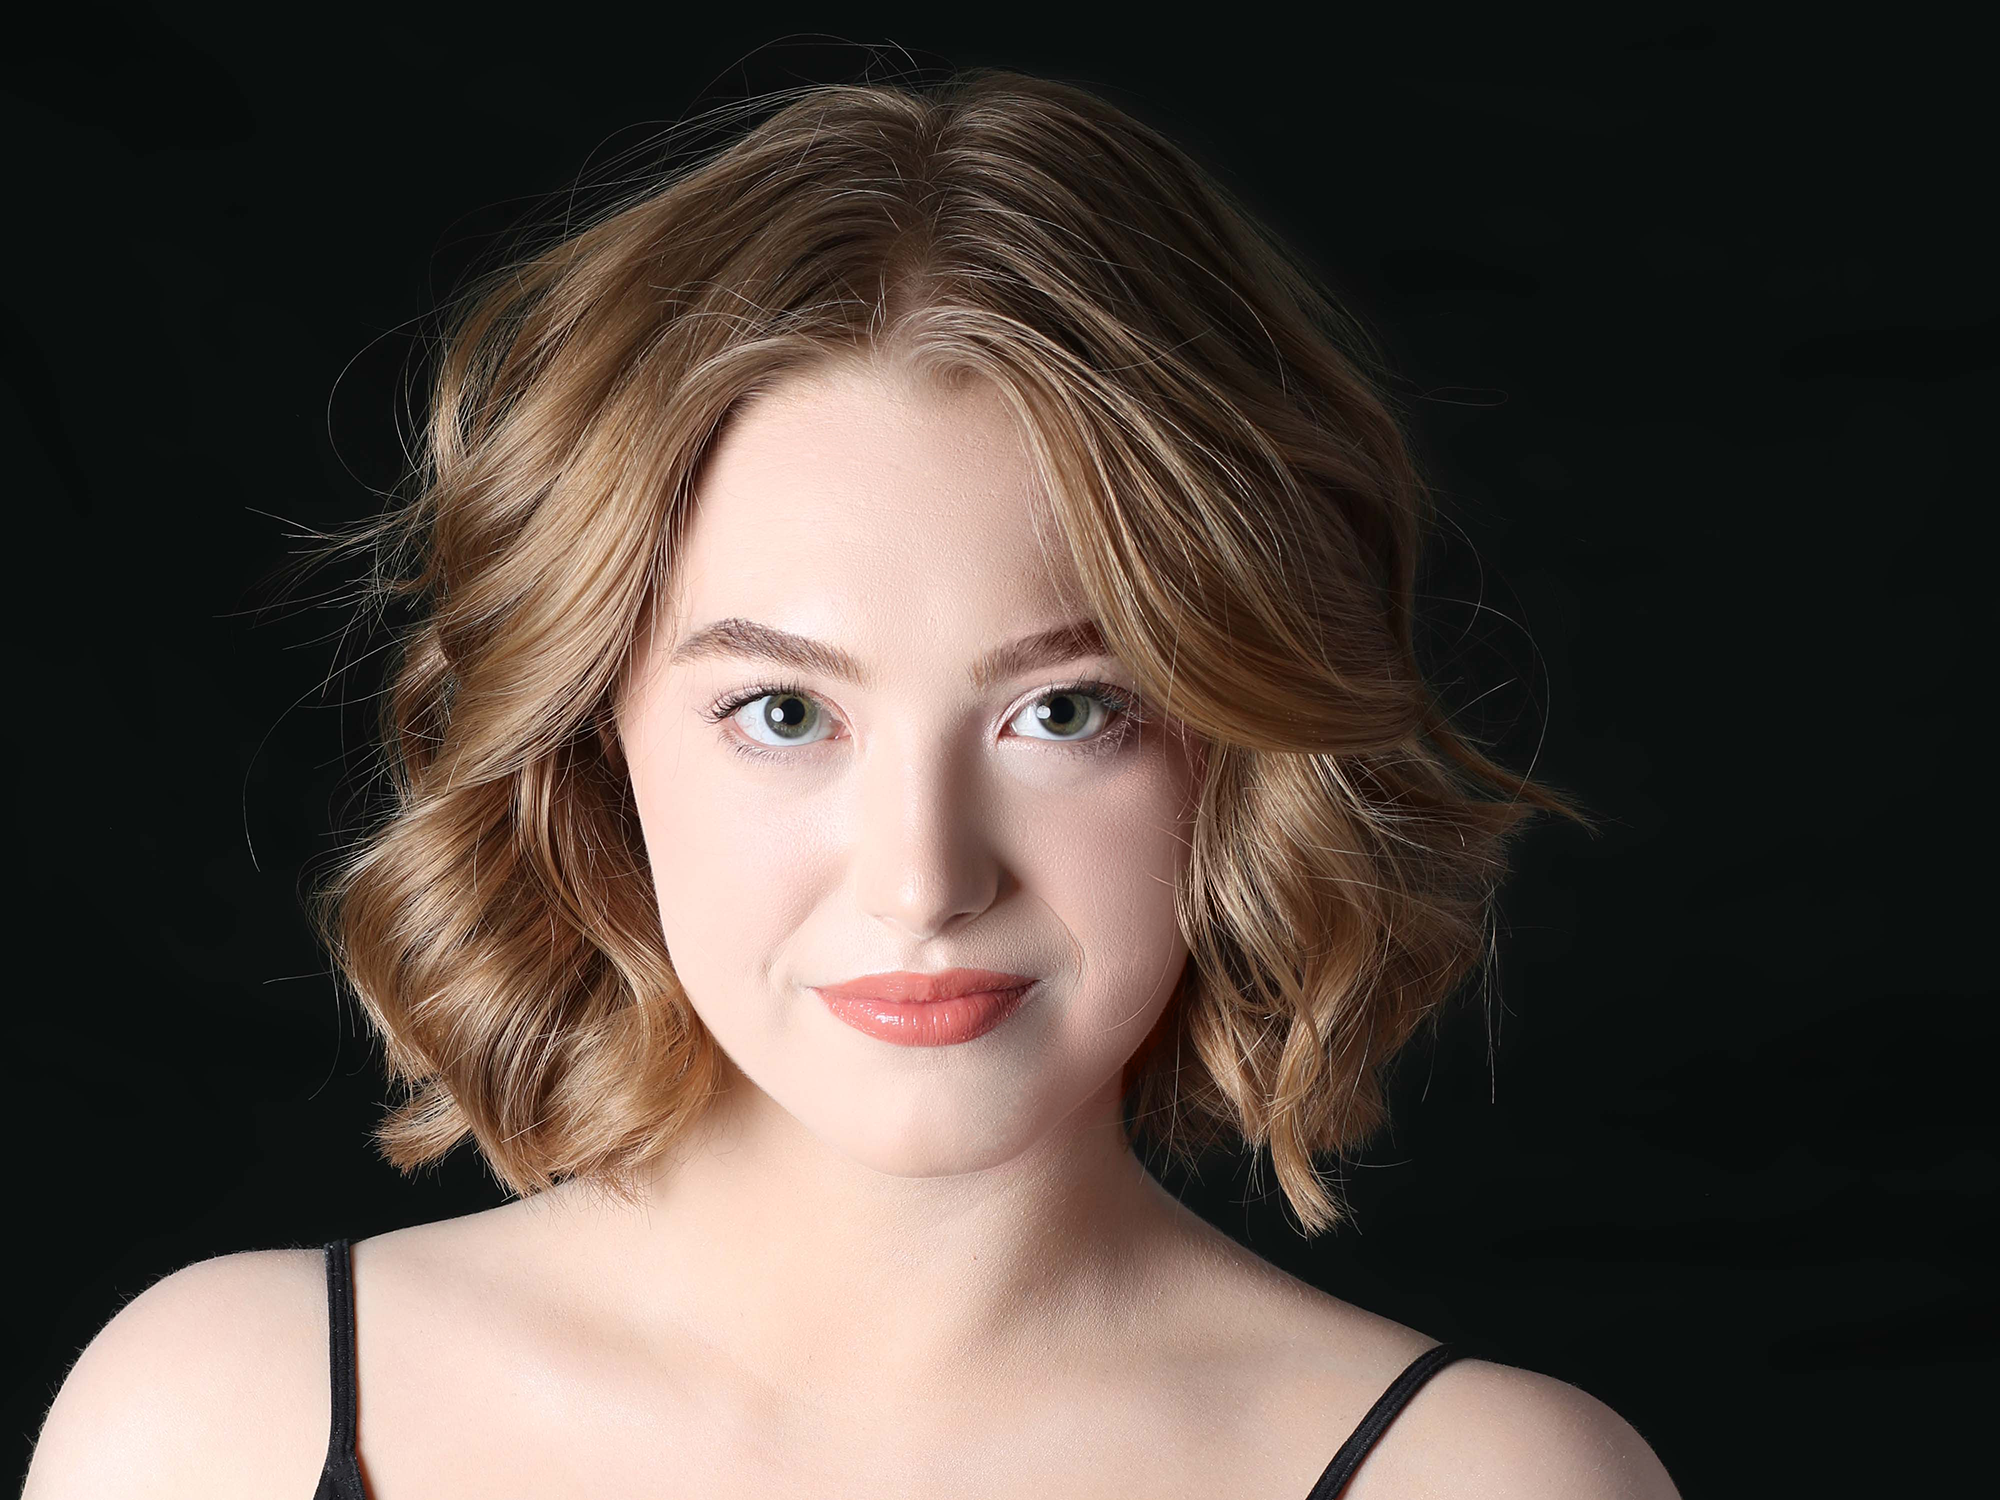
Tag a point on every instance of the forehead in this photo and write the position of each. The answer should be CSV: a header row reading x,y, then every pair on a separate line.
x,y
855,500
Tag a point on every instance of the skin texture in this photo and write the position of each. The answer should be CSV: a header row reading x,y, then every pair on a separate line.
x,y
879,1271
965,1201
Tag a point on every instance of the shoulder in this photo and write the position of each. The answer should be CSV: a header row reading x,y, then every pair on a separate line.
x,y
1490,1429
213,1381
1475,1427
1312,1365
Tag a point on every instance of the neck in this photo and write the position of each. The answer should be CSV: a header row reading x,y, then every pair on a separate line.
x,y
807,1269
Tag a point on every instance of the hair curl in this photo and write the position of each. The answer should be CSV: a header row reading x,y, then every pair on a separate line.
x,y
1235,490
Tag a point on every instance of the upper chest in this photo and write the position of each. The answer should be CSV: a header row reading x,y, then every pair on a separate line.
x,y
1090,1450
1236,1418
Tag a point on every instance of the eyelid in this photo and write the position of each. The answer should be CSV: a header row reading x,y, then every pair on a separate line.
x,y
1126,707
734,702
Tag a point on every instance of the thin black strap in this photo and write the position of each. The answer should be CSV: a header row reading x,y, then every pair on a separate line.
x,y
1380,1415
340,1476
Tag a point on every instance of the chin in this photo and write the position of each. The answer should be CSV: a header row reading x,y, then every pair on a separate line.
x,y
932,1132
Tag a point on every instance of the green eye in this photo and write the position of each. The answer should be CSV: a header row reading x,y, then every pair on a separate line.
x,y
773,716
1069,714
783,718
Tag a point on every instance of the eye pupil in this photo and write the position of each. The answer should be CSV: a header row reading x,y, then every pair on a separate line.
x,y
1065,718
786,712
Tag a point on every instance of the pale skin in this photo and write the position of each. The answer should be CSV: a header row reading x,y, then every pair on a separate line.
x,y
881,1271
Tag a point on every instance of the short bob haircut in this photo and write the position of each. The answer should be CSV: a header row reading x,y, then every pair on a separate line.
x,y
1237,495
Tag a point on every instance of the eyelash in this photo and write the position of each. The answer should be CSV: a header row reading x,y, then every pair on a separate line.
x,y
1121,703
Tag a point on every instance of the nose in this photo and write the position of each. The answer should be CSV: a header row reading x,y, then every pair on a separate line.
x,y
923,857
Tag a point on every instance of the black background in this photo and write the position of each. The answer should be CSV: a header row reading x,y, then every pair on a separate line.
x,y
1694,315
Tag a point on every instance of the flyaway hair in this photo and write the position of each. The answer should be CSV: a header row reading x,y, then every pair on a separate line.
x,y
1232,483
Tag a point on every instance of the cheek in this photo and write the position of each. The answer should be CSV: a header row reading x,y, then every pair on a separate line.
x,y
741,869
732,869
1109,870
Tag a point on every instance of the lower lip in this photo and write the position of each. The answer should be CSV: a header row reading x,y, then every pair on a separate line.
x,y
933,1023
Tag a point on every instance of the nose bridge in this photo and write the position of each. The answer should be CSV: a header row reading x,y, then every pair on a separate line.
x,y
922,855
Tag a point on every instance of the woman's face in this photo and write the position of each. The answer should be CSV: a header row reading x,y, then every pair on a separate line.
x,y
931,806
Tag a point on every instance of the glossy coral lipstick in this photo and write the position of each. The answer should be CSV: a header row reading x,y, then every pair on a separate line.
x,y
927,1010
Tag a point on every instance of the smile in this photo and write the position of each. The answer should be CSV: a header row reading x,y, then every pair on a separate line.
x,y
927,1010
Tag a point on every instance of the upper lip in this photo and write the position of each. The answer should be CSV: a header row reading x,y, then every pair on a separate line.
x,y
947,984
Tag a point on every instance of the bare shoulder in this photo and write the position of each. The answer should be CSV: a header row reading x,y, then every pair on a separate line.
x,y
1478,1427
212,1382
1475,1427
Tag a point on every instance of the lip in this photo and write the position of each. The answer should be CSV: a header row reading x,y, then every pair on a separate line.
x,y
927,1010
905,987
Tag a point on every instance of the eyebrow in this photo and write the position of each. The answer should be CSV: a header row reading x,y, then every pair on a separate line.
x,y
736,636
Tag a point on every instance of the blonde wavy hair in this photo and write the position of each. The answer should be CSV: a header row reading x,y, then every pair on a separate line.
x,y
1232,483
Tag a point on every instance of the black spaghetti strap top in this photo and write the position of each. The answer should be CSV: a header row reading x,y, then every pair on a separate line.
x,y
340,1478
1379,1416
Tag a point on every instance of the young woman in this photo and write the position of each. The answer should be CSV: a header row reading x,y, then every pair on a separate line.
x,y
912,694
